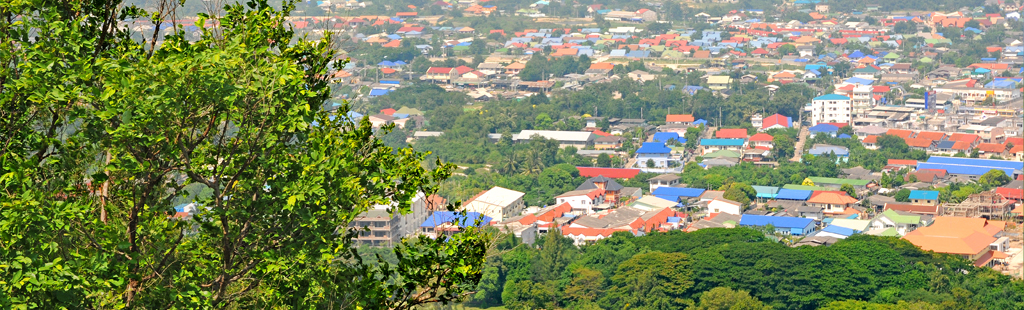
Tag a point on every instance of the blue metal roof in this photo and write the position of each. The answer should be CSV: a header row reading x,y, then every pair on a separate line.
x,y
722,142
977,162
654,148
467,219
824,128
777,221
794,194
768,192
379,92
963,169
926,195
665,136
674,193
844,136
839,230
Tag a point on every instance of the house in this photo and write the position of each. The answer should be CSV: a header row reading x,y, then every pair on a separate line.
x,y
824,149
641,76
930,210
836,232
577,139
387,229
719,82
514,68
656,153
381,120
783,224
581,201
834,203
649,203
496,203
712,145
612,190
734,133
722,205
679,119
902,222
971,168
974,239
831,108
990,205
776,121
825,128
663,180
762,140
677,193
925,198
608,143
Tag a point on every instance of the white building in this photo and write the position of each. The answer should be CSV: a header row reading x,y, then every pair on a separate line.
x,y
582,201
578,139
831,108
497,202
722,205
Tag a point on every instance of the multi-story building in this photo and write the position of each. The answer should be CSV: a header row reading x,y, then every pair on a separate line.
x,y
386,229
831,108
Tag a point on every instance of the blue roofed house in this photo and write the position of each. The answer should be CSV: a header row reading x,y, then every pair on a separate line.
x,y
926,198
842,153
785,225
677,193
664,137
711,145
972,168
834,231
826,129
377,92
794,194
657,153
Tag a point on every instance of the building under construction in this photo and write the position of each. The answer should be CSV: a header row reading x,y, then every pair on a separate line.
x,y
988,205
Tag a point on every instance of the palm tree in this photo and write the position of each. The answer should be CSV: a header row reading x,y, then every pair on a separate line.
x,y
511,164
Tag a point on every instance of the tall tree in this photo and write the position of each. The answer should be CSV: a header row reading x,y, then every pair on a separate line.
x,y
101,133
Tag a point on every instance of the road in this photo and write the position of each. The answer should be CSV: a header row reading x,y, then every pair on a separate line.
x,y
801,138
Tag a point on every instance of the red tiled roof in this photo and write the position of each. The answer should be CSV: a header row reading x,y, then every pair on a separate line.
x,y
962,146
932,135
870,139
737,133
902,162
688,118
831,197
775,119
918,142
900,133
439,70
614,173
918,209
388,111
992,147
762,137
965,137
1010,193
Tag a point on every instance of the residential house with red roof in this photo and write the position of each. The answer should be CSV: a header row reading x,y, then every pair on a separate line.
x,y
969,238
679,119
733,133
762,140
776,121
836,203
583,201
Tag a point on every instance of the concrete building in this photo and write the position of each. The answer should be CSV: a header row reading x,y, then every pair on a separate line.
x,y
497,203
831,109
386,229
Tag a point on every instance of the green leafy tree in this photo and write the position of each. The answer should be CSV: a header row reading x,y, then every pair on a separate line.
x,y
849,190
653,280
975,153
994,178
604,160
724,298
787,49
902,195
100,133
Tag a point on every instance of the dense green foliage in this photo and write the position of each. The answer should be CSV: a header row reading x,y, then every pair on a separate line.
x,y
99,135
714,267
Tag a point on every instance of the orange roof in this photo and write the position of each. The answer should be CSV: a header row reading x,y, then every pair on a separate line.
x,y
702,54
395,43
931,135
902,162
1017,149
992,147
831,197
919,142
602,65
900,133
515,65
686,118
737,133
782,75
956,235
806,39
762,137
870,139
962,146
965,137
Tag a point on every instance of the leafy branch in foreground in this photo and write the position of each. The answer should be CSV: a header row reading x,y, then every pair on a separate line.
x,y
100,136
